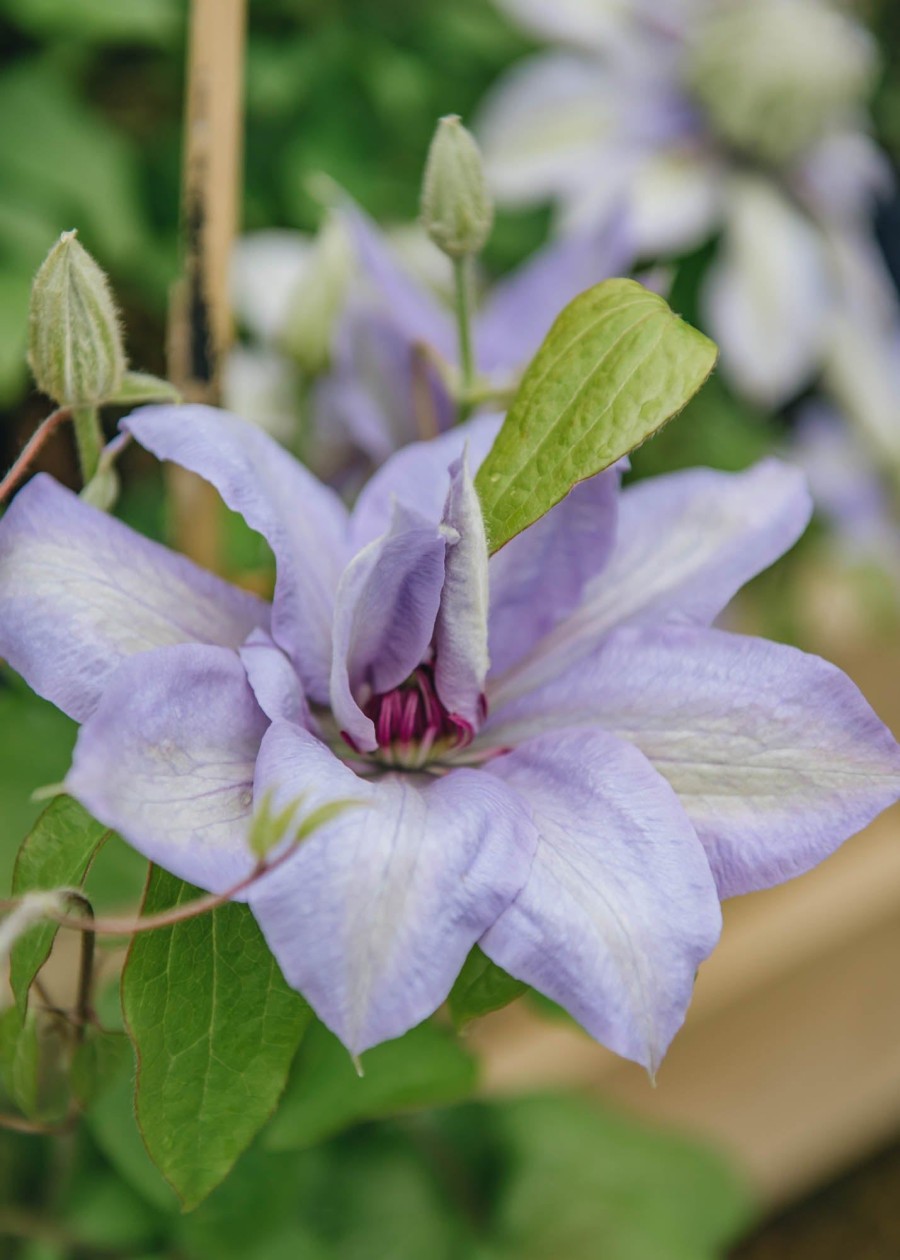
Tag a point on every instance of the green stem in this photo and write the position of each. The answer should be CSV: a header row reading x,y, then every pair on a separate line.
x,y
462,274
89,439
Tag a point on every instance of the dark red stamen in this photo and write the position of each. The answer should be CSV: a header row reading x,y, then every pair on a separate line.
x,y
410,720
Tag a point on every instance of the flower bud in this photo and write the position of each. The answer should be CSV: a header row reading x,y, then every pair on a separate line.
x,y
317,299
777,75
75,342
456,207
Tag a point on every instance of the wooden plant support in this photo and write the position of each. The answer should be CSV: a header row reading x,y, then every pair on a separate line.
x,y
200,323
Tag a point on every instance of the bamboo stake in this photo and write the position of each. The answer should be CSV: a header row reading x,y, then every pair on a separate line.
x,y
200,323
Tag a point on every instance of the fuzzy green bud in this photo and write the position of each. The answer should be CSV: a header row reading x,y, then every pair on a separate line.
x,y
319,297
456,208
75,341
776,75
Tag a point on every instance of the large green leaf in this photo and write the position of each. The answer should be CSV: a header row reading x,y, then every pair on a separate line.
x,y
55,854
615,366
481,987
583,1182
426,1068
215,1027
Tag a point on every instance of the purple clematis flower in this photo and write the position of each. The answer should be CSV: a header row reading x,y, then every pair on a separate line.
x,y
559,758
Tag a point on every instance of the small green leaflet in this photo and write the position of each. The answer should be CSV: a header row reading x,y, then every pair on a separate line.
x,y
425,1068
55,854
141,387
615,366
215,1027
481,987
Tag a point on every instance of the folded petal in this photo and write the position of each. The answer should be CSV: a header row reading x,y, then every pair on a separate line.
x,y
375,915
384,616
274,680
686,543
620,907
303,521
80,592
520,308
767,297
540,576
168,758
418,476
461,629
775,754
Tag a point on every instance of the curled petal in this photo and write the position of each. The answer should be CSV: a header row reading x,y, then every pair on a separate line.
x,y
418,476
80,592
461,629
168,758
375,915
384,617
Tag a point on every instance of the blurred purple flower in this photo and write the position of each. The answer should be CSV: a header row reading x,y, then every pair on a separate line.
x,y
578,807
655,109
381,389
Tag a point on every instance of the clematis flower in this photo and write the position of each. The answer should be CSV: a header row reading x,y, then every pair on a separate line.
x,y
560,758
658,108
380,388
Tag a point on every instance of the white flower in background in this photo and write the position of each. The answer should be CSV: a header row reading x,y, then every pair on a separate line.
x,y
740,117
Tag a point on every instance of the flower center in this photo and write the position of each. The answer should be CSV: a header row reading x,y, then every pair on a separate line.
x,y
412,726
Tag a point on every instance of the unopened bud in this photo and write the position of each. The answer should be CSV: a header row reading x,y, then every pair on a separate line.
x,y
318,298
456,207
75,343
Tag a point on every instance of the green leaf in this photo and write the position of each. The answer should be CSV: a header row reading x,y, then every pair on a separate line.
x,y
615,366
215,1027
141,387
34,1062
19,1059
55,854
97,1063
583,1182
113,1127
481,987
35,749
426,1068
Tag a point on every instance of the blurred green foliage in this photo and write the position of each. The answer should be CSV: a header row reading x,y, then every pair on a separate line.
x,y
91,97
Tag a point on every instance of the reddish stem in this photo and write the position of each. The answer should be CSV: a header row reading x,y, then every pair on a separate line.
x,y
32,449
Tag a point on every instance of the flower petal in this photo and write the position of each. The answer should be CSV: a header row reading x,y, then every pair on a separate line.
x,y
520,308
767,296
418,476
594,24
620,906
415,312
686,543
303,521
375,915
80,592
384,616
540,576
545,126
461,629
168,758
273,680
775,754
